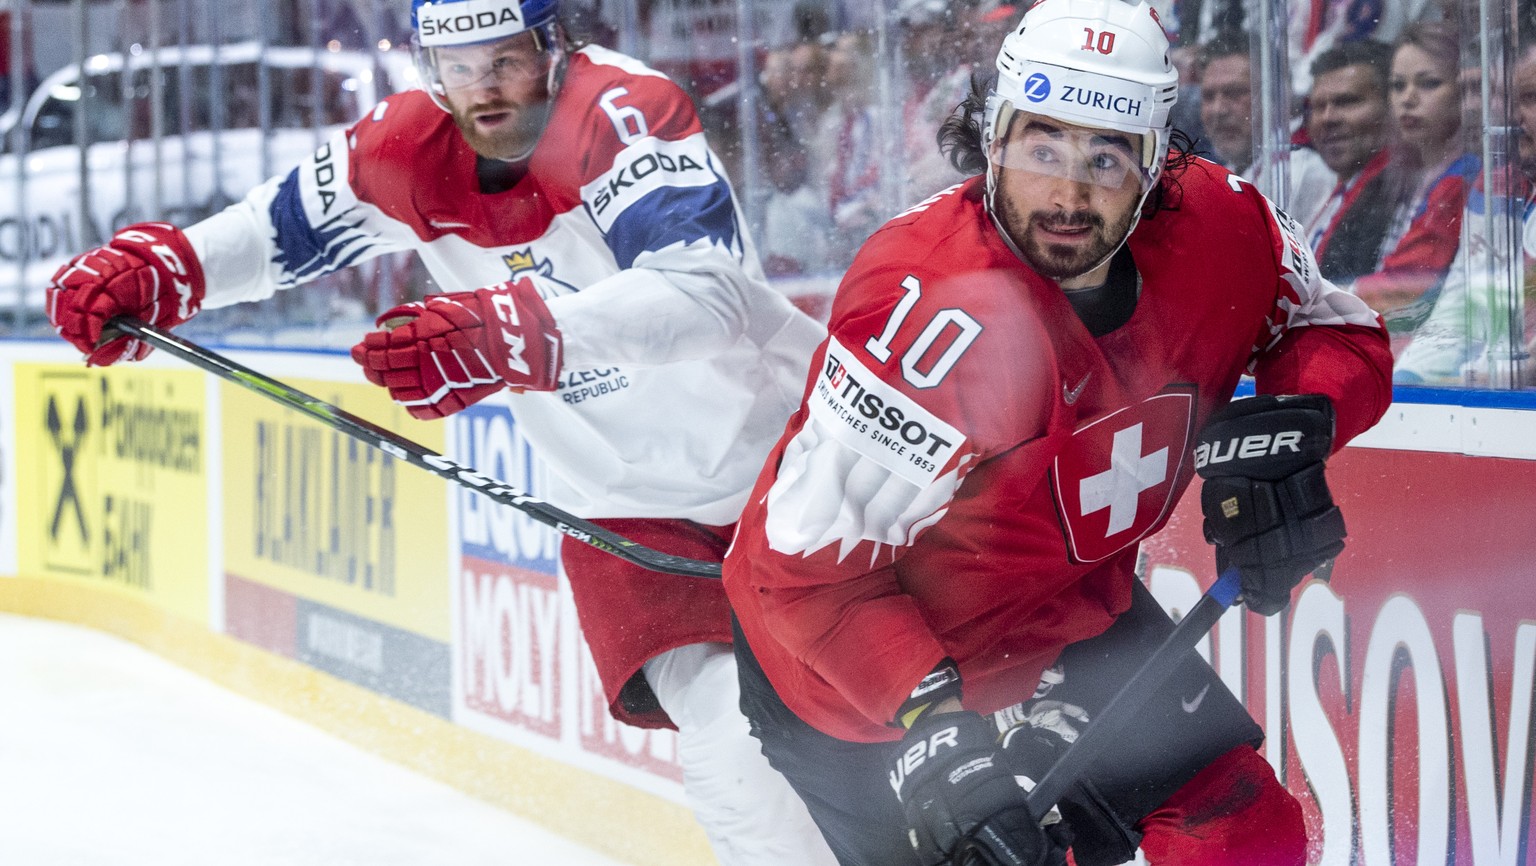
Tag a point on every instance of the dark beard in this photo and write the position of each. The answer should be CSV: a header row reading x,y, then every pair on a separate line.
x,y
1062,261
507,144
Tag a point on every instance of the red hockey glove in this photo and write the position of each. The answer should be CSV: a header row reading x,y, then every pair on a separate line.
x,y
962,805
1267,505
451,351
147,271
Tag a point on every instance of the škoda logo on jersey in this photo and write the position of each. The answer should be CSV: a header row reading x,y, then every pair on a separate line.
x,y
643,168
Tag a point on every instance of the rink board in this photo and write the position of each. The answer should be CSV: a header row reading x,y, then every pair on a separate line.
x,y
1398,696
334,582
113,466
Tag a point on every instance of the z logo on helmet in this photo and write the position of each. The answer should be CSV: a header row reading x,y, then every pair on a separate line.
x,y
1037,88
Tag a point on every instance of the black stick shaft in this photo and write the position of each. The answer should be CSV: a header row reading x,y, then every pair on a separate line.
x,y
1089,745
398,446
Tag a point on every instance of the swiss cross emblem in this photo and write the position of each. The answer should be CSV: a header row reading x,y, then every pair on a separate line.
x,y
1115,481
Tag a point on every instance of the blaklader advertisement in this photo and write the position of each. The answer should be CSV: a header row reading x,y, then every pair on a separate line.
x,y
335,553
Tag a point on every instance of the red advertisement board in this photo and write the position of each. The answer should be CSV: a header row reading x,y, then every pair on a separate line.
x,y
1398,695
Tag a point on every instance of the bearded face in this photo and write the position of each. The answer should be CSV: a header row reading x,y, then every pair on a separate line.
x,y
497,93
1066,195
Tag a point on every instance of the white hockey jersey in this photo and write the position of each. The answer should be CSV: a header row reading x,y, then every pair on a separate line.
x,y
681,363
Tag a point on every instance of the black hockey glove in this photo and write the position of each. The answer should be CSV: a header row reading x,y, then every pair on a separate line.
x,y
1266,503
963,807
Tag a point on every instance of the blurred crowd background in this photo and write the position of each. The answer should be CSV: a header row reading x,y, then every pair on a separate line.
x,y
1399,134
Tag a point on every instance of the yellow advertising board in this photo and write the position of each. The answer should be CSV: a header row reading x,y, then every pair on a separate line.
x,y
112,464
319,516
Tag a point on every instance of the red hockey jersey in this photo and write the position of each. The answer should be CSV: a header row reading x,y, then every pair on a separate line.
x,y
970,470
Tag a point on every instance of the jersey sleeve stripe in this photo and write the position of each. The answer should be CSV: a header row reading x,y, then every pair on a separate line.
x,y
306,251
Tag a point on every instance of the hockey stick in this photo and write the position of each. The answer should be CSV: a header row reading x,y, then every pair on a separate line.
x,y
1088,746
398,446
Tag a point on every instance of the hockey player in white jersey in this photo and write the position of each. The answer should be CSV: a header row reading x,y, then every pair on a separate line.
x,y
599,276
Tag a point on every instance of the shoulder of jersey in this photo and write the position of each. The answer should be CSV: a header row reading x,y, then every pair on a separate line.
x,y
1202,178
1204,193
595,74
949,223
401,127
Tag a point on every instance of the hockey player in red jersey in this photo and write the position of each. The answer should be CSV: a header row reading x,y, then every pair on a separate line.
x,y
933,579
597,274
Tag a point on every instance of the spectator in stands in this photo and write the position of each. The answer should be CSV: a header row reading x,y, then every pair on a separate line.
x,y
1187,114
849,143
1350,127
792,98
1226,111
777,101
795,221
807,96
773,78
936,38
1226,100
1469,337
1317,27
813,21
1434,171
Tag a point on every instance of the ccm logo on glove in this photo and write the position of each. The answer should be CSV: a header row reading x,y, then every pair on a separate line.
x,y
446,352
506,311
147,271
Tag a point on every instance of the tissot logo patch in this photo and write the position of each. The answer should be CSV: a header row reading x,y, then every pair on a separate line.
x,y
878,421
1114,482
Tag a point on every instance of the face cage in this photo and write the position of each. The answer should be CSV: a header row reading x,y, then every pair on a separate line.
x,y
547,37
1000,112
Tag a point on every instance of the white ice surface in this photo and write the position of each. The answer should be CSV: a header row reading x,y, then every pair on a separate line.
x,y
112,756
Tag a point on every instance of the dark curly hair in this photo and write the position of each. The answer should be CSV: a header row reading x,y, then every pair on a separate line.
x,y
960,138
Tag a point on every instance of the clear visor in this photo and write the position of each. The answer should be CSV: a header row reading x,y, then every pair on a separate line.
x,y
1044,145
523,58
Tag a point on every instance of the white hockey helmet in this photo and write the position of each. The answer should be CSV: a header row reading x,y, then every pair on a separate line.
x,y
1093,63
441,23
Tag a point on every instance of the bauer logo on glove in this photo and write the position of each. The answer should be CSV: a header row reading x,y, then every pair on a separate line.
x,y
1267,505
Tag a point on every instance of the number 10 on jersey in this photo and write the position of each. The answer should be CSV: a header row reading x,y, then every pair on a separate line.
x,y
952,325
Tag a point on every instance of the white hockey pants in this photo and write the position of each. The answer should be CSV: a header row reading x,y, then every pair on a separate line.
x,y
748,810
